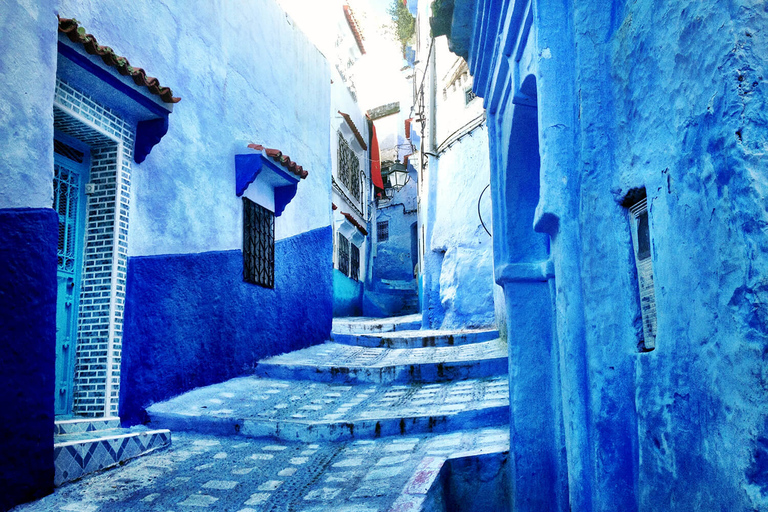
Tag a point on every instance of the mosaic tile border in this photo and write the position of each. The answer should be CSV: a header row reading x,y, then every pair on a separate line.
x,y
74,459
79,425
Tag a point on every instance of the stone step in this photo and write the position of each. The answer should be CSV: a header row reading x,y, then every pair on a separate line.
x,y
304,411
416,338
334,362
78,453
76,425
352,325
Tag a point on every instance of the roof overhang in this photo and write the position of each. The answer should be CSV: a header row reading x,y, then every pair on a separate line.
x,y
267,177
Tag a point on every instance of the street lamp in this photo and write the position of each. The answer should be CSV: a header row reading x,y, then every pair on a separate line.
x,y
398,176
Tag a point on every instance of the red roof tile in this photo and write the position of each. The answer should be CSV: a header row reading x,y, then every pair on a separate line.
x,y
354,222
355,28
354,129
77,34
284,160
334,207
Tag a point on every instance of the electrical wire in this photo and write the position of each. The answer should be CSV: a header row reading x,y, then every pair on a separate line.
x,y
478,210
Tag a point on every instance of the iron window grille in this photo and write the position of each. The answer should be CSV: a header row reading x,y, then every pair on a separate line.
x,y
258,244
382,231
66,184
349,168
343,255
354,262
469,95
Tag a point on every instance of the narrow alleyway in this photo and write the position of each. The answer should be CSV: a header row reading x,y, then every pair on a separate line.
x,y
367,422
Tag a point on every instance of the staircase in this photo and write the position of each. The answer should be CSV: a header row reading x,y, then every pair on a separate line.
x,y
379,377
437,400
86,445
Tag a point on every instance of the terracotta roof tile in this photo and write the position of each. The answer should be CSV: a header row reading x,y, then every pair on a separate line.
x,y
77,34
354,129
284,160
355,28
354,222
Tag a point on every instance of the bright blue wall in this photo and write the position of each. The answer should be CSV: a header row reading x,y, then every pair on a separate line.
x,y
668,96
28,239
191,320
347,295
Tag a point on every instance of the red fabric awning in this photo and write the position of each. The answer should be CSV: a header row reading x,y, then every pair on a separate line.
x,y
375,160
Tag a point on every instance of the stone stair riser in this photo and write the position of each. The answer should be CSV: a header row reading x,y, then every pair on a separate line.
x,y
419,373
336,431
372,340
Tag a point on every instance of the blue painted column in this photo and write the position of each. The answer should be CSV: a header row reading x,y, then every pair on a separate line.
x,y
558,215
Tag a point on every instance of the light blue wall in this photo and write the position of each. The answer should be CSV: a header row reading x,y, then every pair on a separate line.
x,y
666,95
27,72
245,74
463,280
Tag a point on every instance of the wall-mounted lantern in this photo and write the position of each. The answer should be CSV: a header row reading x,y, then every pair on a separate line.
x,y
397,177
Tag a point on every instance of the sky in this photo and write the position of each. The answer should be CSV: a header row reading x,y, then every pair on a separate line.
x,y
378,78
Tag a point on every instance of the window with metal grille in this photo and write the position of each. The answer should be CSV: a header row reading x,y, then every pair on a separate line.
x,y
66,185
258,244
469,95
343,255
641,243
382,231
349,168
354,262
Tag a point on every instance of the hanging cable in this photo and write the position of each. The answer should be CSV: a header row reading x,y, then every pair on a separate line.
x,y
478,210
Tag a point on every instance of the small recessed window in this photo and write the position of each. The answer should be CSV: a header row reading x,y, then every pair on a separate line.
x,y
354,262
641,243
258,244
343,255
469,95
382,231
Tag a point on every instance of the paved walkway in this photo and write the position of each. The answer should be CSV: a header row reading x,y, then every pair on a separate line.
x,y
318,439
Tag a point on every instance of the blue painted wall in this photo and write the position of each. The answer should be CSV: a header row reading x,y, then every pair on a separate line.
x,y
191,320
28,239
392,261
245,73
347,295
668,96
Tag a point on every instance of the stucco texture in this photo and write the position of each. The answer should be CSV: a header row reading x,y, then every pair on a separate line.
x,y
27,71
245,74
28,337
191,321
465,272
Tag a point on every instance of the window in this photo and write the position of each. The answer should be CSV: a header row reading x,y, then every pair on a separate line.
x,y
258,244
354,262
349,168
382,231
343,255
641,243
469,95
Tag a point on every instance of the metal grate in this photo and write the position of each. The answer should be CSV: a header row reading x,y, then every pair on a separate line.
x,y
349,168
258,244
343,255
66,189
354,262
469,95
641,242
382,231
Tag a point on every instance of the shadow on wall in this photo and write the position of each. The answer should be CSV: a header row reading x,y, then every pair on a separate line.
x,y
191,320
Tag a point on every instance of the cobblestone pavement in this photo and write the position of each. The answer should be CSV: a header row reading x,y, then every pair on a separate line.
x,y
416,338
301,443
236,474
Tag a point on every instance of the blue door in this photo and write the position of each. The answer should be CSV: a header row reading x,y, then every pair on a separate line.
x,y
69,200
